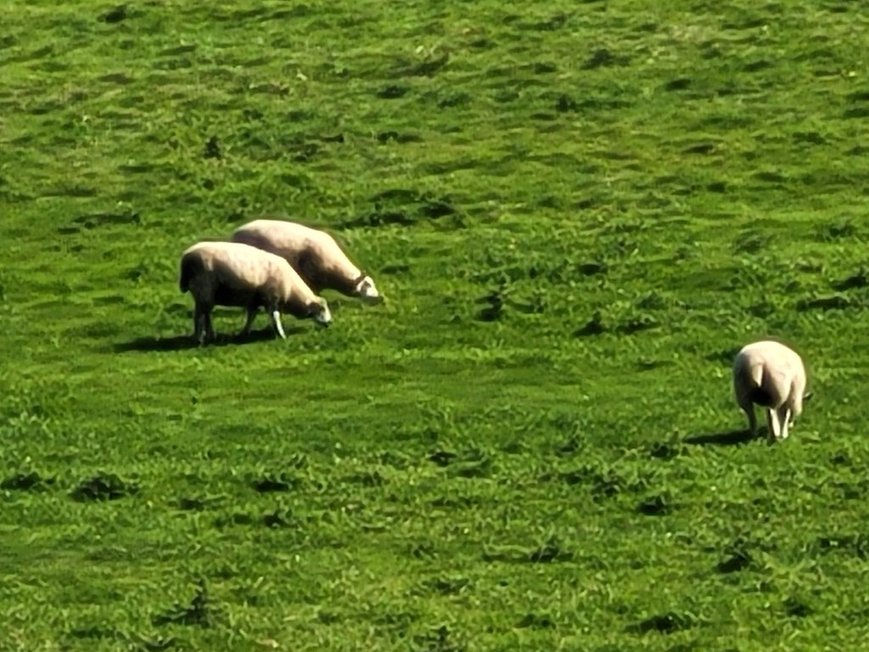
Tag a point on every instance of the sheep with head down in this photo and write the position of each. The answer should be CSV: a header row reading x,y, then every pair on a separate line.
x,y
771,375
236,274
314,254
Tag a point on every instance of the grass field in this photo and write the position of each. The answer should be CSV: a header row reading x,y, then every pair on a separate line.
x,y
578,211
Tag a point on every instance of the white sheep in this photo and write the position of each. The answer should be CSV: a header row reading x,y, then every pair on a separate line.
x,y
771,375
313,254
234,274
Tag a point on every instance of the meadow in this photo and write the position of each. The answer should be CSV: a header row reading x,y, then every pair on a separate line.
x,y
578,213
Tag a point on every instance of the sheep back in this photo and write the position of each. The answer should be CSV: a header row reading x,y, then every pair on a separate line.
x,y
314,254
236,274
768,373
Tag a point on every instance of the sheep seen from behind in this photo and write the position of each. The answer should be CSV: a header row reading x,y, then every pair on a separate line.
x,y
771,375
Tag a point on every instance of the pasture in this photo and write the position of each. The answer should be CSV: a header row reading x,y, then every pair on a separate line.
x,y
578,212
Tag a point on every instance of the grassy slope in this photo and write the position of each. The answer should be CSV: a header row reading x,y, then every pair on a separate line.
x,y
699,169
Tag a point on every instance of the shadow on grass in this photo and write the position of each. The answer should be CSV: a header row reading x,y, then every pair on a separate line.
x,y
182,342
732,438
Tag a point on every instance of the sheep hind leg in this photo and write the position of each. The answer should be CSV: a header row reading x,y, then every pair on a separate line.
x,y
251,315
209,327
196,325
752,421
748,407
276,320
200,320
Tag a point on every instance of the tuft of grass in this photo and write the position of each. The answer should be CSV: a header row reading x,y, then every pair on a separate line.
x,y
103,486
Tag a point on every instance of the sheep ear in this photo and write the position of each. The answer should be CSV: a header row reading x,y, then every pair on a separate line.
x,y
808,396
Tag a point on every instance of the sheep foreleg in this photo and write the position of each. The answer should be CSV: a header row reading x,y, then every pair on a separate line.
x,y
251,315
276,320
785,419
773,426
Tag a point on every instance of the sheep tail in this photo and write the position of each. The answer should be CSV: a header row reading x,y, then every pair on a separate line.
x,y
756,373
188,268
756,392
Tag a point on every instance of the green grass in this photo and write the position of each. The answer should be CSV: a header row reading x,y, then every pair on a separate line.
x,y
578,212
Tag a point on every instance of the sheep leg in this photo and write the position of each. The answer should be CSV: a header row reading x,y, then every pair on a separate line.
x,y
200,319
209,327
752,421
196,324
773,424
276,320
748,407
784,417
251,315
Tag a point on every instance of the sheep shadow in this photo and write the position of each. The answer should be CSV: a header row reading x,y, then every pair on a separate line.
x,y
730,438
183,342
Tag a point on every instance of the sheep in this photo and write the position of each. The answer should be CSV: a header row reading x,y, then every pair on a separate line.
x,y
771,375
235,274
313,254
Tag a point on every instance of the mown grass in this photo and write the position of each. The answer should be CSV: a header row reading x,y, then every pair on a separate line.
x,y
578,212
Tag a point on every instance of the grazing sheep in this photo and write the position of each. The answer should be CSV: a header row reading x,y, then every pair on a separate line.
x,y
313,254
771,375
234,274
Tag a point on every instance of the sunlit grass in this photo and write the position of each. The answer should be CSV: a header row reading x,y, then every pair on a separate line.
x,y
578,213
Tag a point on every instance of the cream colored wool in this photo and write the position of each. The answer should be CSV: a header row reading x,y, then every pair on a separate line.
x,y
234,274
771,375
314,254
